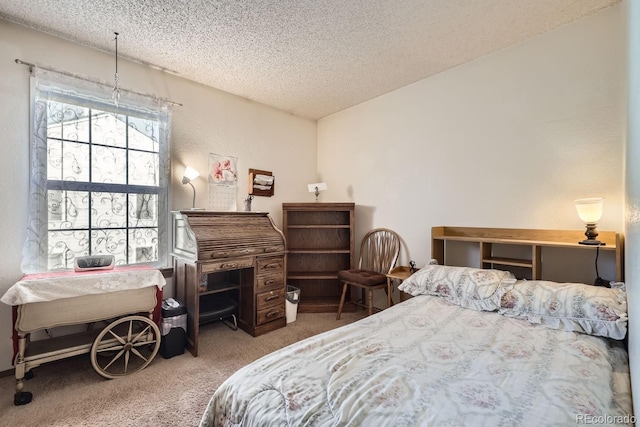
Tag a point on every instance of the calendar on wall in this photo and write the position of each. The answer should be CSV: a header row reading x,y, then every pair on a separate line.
x,y
223,183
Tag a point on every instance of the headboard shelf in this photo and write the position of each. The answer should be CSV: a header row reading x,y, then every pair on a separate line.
x,y
508,261
535,238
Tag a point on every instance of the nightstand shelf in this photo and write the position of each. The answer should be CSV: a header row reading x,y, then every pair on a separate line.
x,y
400,273
534,241
508,261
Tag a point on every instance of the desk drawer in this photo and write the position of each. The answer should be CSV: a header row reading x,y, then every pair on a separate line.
x,y
269,299
274,281
228,253
236,264
270,265
269,314
235,252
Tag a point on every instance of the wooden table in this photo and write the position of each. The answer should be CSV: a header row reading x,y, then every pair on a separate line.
x,y
400,273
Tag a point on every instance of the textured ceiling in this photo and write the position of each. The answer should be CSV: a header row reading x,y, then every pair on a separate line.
x,y
309,57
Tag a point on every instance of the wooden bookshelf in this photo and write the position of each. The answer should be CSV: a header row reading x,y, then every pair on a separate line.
x,y
320,242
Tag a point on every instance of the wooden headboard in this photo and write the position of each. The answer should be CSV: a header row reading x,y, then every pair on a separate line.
x,y
487,238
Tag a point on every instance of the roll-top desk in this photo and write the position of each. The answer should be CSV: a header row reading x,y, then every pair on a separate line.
x,y
222,257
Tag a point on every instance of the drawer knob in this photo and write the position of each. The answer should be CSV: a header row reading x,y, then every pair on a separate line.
x,y
272,313
271,297
230,265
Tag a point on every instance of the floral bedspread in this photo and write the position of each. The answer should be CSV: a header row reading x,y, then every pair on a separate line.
x,y
427,362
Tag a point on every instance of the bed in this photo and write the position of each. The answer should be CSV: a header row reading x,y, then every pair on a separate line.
x,y
472,347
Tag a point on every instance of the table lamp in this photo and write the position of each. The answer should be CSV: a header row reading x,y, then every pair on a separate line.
x,y
317,188
590,211
189,175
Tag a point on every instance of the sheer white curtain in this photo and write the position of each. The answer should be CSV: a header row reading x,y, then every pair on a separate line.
x,y
99,174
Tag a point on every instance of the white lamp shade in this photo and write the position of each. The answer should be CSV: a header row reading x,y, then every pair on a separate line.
x,y
590,210
318,186
189,174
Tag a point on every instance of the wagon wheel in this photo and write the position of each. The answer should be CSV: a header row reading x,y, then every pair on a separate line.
x,y
125,346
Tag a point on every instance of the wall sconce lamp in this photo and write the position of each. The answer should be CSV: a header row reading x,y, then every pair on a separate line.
x,y
590,211
317,188
189,175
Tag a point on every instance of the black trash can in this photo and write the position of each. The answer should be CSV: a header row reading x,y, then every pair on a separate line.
x,y
173,328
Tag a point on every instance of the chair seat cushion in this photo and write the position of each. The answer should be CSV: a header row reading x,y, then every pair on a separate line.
x,y
363,277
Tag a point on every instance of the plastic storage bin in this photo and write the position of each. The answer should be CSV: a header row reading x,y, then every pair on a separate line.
x,y
173,328
292,300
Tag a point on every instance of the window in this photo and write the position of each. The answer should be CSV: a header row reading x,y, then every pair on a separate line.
x,y
99,176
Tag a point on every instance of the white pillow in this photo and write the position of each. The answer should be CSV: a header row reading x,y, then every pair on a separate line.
x,y
593,310
474,288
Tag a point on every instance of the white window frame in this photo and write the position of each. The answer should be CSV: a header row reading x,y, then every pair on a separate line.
x,y
46,86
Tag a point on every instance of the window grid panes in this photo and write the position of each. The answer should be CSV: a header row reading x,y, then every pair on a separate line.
x,y
103,173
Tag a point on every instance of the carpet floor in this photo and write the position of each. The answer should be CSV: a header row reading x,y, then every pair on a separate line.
x,y
169,392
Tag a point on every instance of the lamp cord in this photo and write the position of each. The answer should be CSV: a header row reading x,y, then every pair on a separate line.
x,y
599,281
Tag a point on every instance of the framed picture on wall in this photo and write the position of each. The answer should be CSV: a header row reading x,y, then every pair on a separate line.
x,y
223,182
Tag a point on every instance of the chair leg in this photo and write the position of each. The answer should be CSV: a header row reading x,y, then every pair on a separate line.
x,y
345,286
370,302
233,325
389,300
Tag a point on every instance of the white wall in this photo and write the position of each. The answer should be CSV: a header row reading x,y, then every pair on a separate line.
x,y
509,140
210,121
632,230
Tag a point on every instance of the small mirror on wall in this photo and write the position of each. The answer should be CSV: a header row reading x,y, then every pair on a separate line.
x,y
261,183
